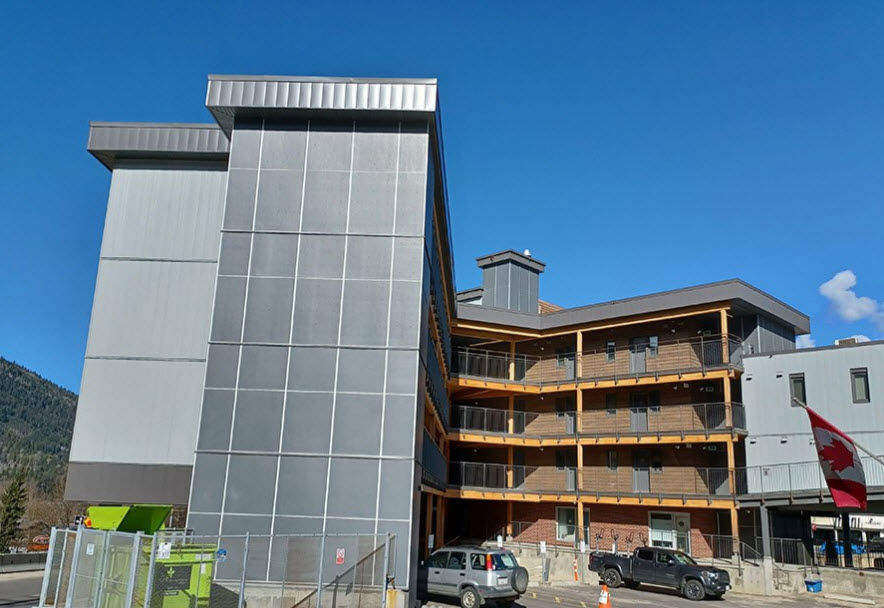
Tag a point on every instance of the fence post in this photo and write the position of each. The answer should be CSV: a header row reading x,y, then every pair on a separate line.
x,y
64,551
151,565
386,571
100,587
130,589
45,586
321,563
242,580
74,562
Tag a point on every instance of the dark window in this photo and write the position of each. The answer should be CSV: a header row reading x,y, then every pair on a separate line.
x,y
457,561
438,560
645,554
477,561
565,459
611,404
652,347
859,384
796,389
656,461
612,460
664,558
611,350
654,402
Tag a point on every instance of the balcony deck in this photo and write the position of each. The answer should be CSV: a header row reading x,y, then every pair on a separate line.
x,y
650,362
700,422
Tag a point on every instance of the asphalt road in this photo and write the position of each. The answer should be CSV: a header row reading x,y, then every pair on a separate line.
x,y
651,597
20,589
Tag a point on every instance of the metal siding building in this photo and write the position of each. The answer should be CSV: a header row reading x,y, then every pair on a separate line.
x,y
780,432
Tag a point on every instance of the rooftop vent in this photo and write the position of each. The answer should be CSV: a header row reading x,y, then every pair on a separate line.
x,y
510,280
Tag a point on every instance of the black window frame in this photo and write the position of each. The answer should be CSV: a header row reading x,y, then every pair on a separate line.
x,y
611,404
862,372
612,460
792,395
611,351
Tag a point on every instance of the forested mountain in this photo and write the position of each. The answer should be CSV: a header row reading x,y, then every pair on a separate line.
x,y
36,424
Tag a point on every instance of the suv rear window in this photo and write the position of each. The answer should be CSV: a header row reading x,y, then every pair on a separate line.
x,y
499,561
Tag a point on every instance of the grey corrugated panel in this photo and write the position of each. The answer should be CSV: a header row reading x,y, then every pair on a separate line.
x,y
154,212
724,291
110,141
138,411
100,482
151,309
469,294
228,95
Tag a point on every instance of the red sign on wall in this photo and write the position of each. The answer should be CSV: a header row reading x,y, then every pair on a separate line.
x,y
339,556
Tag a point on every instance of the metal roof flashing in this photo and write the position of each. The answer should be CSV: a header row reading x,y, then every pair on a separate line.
x,y
510,255
111,142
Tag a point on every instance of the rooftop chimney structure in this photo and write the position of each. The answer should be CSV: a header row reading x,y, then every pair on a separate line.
x,y
510,280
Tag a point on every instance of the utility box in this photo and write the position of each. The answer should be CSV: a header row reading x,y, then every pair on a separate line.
x,y
182,575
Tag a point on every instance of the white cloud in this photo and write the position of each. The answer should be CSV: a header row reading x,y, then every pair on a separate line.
x,y
850,307
804,341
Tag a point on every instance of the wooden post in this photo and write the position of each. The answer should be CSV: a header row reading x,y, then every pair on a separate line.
x,y
735,526
725,350
578,534
509,518
578,422
509,468
512,365
579,356
731,461
440,521
728,404
511,417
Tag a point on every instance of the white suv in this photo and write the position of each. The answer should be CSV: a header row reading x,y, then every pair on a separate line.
x,y
473,574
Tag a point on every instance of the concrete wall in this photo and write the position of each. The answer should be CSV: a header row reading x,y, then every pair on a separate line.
x,y
312,412
140,394
780,432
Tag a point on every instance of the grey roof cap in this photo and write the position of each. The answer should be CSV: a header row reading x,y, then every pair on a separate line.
x,y
814,349
744,298
469,294
254,96
113,141
510,255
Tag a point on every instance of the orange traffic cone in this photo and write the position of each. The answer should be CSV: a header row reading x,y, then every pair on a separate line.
x,y
604,598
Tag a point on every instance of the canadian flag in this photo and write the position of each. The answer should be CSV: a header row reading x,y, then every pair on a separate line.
x,y
840,462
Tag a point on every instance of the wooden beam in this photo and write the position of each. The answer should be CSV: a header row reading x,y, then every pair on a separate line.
x,y
735,524
578,421
578,534
590,499
725,351
628,381
509,518
479,439
579,355
512,362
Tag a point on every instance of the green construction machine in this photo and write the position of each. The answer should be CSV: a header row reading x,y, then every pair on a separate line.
x,y
182,574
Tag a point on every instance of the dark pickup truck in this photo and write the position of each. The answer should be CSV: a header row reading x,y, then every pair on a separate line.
x,y
664,567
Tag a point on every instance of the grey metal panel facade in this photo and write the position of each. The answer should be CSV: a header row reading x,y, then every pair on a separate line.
x,y
145,356
779,432
228,95
314,390
111,141
128,483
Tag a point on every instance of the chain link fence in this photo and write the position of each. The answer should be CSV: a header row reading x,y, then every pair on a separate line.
x,y
89,568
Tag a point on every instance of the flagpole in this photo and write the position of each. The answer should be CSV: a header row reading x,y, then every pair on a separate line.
x,y
874,457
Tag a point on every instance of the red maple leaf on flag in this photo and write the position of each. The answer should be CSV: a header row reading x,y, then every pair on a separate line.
x,y
838,455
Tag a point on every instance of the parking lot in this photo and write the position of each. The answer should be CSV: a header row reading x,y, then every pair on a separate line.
x,y
587,597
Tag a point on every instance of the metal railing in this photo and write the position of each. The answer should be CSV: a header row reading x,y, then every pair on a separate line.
x,y
698,354
797,478
437,386
434,466
625,421
642,481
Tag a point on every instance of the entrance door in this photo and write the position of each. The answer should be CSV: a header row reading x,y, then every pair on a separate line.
x,y
638,352
641,471
638,412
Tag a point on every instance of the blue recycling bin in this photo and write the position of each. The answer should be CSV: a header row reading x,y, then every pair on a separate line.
x,y
813,585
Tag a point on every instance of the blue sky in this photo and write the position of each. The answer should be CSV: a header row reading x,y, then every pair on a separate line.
x,y
633,147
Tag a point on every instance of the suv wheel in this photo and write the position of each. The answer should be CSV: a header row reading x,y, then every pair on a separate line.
x,y
469,598
693,590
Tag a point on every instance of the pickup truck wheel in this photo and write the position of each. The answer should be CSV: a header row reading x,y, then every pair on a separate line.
x,y
694,590
469,598
612,578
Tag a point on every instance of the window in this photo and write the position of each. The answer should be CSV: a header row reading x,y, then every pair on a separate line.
x,y
796,389
665,559
457,561
565,459
859,384
652,347
645,554
611,350
477,561
566,523
654,402
656,461
438,560
611,404
562,356
612,460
